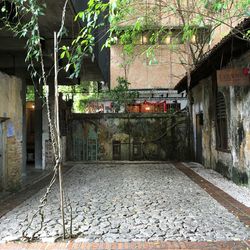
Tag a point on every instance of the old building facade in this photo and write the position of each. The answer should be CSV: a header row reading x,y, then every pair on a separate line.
x,y
220,99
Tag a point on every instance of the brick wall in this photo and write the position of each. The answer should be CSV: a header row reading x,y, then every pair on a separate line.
x,y
14,162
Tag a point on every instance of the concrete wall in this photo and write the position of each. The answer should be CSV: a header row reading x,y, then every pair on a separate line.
x,y
11,107
235,162
158,136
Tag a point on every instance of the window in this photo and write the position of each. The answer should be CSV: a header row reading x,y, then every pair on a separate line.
x,y
221,123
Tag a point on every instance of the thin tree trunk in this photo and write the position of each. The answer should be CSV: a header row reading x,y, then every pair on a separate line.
x,y
190,102
57,122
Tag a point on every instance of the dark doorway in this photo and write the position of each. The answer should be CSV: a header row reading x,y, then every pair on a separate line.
x,y
92,149
30,121
199,124
116,150
137,151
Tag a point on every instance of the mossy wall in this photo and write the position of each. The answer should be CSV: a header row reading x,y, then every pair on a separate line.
x,y
142,136
233,162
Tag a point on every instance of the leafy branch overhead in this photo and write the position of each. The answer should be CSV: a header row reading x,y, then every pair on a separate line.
x,y
21,17
84,44
130,23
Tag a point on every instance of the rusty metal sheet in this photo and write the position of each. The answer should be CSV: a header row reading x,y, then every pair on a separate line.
x,y
232,77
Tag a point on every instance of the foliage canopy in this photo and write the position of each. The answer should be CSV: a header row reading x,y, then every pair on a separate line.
x,y
158,21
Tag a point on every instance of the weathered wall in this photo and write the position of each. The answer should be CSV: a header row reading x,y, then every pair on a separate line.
x,y
12,137
233,163
142,136
48,160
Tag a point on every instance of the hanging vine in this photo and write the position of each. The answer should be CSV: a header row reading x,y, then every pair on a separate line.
x,y
25,24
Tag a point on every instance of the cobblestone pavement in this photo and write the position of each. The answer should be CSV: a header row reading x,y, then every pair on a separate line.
x,y
34,182
133,202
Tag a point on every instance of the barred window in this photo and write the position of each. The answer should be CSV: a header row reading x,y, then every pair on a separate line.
x,y
221,123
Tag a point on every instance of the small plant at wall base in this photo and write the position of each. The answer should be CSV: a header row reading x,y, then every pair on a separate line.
x,y
14,187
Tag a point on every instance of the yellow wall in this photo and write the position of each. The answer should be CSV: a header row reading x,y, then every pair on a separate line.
x,y
12,108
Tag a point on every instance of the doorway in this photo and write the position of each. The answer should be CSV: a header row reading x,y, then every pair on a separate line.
x,y
116,150
199,125
30,121
92,149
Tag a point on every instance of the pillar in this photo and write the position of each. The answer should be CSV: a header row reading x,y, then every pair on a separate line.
x,y
24,131
38,126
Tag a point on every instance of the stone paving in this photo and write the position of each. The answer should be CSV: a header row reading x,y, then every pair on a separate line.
x,y
132,202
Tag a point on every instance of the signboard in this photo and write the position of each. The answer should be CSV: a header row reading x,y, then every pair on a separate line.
x,y
10,129
232,77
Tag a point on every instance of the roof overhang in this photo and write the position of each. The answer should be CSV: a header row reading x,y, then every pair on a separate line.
x,y
231,46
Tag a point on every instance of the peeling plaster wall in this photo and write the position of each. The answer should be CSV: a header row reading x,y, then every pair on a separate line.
x,y
157,136
11,107
235,163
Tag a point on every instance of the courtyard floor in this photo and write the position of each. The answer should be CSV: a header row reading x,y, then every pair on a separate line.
x,y
152,205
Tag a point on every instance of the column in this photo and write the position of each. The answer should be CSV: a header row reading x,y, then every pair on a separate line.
x,y
24,131
38,126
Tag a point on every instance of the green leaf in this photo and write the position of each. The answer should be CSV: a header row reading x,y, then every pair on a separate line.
x,y
62,55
